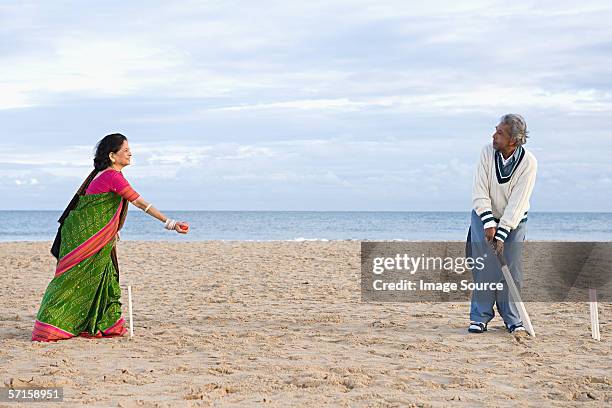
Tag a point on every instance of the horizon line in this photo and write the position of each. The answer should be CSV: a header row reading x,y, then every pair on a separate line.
x,y
322,211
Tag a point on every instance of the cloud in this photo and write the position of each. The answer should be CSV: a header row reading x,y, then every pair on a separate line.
x,y
478,100
281,102
290,174
31,182
441,53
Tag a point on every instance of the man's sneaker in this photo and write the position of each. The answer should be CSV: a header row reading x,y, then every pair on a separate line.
x,y
516,328
477,327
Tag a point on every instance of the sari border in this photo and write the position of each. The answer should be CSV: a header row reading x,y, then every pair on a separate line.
x,y
48,332
90,246
110,330
87,335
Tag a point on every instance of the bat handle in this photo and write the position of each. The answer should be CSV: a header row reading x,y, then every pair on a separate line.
x,y
500,257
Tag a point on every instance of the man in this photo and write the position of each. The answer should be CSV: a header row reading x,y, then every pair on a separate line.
x,y
503,183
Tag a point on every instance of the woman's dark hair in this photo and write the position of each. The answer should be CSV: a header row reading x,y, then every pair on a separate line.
x,y
110,143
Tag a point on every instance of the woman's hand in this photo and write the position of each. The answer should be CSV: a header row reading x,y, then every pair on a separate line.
x,y
181,227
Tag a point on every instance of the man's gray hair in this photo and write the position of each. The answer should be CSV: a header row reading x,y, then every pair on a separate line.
x,y
518,127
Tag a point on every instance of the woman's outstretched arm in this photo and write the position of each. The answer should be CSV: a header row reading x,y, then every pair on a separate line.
x,y
120,185
154,212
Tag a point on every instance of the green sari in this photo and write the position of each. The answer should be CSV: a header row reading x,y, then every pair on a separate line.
x,y
84,296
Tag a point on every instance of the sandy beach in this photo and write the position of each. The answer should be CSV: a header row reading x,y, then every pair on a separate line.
x,y
281,324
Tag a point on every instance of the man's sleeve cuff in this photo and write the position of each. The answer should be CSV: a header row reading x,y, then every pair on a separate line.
x,y
487,219
501,234
490,224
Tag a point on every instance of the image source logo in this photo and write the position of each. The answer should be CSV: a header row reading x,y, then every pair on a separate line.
x,y
441,271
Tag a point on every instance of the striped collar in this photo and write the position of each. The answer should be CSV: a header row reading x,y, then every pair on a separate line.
x,y
504,173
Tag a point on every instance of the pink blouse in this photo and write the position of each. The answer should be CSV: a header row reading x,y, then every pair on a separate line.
x,y
112,180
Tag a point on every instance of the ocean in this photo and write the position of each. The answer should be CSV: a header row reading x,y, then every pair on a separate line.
x,y
313,225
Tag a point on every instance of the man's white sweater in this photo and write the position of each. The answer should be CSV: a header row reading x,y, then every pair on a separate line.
x,y
502,200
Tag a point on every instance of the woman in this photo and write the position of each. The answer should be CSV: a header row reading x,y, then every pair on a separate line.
x,y
84,296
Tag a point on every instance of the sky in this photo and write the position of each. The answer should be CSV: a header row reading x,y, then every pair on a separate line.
x,y
304,105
